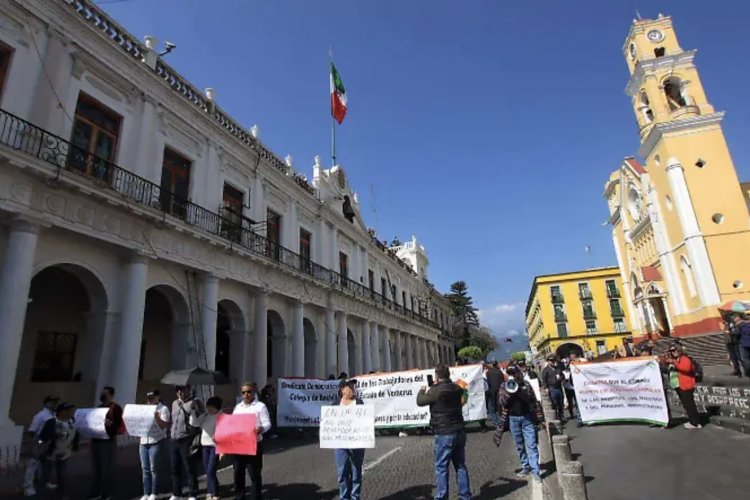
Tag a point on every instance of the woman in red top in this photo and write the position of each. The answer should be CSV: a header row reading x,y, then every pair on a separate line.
x,y
683,365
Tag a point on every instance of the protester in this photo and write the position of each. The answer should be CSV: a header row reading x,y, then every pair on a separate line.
x,y
684,368
527,372
152,446
743,328
32,465
519,409
446,400
207,423
57,441
185,454
103,450
495,379
570,393
268,398
552,379
349,461
732,341
251,405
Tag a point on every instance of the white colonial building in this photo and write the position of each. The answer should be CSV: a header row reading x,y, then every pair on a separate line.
x,y
142,229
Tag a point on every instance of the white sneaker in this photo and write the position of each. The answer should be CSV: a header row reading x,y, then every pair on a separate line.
x,y
152,497
688,425
192,498
29,492
175,498
144,497
402,434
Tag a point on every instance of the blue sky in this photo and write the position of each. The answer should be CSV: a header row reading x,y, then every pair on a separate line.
x,y
487,128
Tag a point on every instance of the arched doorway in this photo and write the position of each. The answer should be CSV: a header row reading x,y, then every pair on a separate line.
x,y
167,337
565,350
276,346
352,350
62,350
311,348
223,325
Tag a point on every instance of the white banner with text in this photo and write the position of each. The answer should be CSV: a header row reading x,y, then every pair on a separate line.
x,y
620,391
393,395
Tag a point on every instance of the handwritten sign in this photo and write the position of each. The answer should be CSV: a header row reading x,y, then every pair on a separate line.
x,y
347,427
90,422
235,434
139,420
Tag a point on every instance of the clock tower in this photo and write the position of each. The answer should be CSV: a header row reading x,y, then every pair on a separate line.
x,y
680,220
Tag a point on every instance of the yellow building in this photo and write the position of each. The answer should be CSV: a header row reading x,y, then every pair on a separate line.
x,y
680,217
579,311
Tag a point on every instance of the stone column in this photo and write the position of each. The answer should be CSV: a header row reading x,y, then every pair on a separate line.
x,y
260,332
298,340
209,314
330,339
387,349
399,362
343,365
409,351
125,378
15,282
356,364
367,346
375,347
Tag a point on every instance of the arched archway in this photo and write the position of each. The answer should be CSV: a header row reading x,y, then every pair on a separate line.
x,y
276,346
351,347
311,348
62,350
568,348
228,320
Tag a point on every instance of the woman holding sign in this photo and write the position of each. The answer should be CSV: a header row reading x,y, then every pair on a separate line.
x,y
349,461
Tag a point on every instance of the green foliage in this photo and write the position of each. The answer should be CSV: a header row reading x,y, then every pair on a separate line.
x,y
518,356
482,337
471,352
464,313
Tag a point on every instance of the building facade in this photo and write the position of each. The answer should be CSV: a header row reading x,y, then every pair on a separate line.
x,y
142,230
579,312
680,217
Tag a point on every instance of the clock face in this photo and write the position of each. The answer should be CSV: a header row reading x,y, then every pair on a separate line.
x,y
655,36
631,50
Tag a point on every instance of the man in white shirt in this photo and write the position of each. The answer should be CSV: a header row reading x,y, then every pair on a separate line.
x,y
152,446
32,466
251,405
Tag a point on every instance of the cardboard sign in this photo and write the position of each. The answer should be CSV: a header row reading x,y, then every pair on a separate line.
x,y
347,427
139,420
90,422
235,434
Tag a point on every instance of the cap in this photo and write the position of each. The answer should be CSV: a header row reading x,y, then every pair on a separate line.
x,y
152,393
63,407
551,358
50,399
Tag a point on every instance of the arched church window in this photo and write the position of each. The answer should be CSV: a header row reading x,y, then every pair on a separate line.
x,y
687,270
673,90
644,105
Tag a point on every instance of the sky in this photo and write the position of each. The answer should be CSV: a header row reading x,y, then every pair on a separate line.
x,y
486,128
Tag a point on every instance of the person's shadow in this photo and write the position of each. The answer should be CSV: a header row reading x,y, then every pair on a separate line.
x,y
301,491
505,486
420,492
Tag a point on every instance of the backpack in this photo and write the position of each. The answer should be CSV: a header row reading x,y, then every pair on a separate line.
x,y
697,370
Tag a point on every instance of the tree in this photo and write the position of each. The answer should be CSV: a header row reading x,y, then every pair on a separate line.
x,y
518,356
471,352
482,337
464,313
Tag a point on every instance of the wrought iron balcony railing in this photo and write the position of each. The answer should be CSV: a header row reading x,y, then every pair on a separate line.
x,y
18,134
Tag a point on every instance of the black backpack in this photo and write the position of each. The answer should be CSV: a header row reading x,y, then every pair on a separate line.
x,y
697,370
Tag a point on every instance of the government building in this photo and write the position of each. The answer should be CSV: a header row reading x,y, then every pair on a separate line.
x,y
679,215
143,229
578,312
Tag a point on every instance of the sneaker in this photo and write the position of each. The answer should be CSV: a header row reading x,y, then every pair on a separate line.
x,y
175,498
144,497
192,498
537,478
688,425
152,497
51,486
29,492
523,473
402,434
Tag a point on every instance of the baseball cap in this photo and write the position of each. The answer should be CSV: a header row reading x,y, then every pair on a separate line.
x,y
152,393
63,407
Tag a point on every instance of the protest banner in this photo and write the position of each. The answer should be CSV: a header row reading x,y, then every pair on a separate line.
x,y
235,434
534,383
90,422
139,420
393,394
347,427
628,390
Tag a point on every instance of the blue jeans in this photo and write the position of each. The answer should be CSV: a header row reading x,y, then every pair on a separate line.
x,y
556,396
150,456
523,430
491,400
209,465
349,469
745,357
451,448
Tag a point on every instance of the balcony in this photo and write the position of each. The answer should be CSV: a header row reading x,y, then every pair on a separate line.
x,y
589,314
557,298
613,293
19,135
585,294
560,317
617,312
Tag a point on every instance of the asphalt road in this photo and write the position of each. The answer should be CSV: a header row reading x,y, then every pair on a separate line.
x,y
297,469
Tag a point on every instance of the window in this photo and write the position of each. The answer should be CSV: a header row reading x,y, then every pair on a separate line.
x,y
674,92
559,312
562,330
383,288
231,223
54,357
555,293
591,327
403,298
601,347
371,279
175,183
412,302
588,310
614,306
583,290
612,290
95,132
687,270
620,325
343,265
305,237
273,234
6,54
659,51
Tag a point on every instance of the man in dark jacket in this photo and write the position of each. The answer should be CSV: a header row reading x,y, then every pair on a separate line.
x,y
552,379
446,400
495,379
103,450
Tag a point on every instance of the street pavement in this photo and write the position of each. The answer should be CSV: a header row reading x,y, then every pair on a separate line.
x,y
634,462
399,468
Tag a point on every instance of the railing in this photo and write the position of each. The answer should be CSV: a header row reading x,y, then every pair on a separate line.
x,y
557,298
16,133
613,293
617,312
588,314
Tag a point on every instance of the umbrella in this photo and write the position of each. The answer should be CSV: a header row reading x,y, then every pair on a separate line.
x,y
194,376
735,306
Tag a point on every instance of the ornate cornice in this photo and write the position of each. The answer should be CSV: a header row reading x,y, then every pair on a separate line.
x,y
659,129
647,67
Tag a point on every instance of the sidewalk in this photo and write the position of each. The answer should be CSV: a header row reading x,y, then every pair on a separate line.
x,y
633,462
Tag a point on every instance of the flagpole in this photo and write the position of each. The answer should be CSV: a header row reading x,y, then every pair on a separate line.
x,y
333,120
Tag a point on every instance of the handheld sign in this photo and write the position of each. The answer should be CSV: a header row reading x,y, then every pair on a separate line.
x,y
139,420
90,422
235,434
347,427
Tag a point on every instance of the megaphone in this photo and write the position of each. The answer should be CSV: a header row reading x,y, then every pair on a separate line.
x,y
511,386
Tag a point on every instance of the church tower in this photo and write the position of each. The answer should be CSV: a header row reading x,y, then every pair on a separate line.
x,y
696,208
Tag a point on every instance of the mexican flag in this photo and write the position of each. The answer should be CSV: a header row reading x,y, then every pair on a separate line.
x,y
338,96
